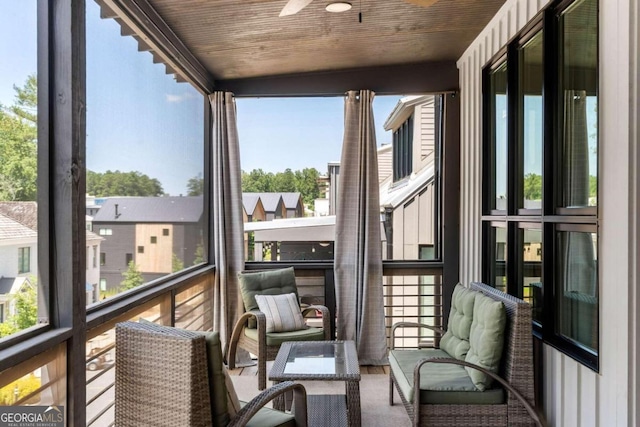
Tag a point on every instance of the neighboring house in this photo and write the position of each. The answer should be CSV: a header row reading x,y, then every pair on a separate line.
x,y
93,267
25,214
253,210
148,231
273,205
407,187
9,288
293,205
18,260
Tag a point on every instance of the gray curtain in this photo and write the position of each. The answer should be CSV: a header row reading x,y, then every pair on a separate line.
x,y
579,317
226,215
358,247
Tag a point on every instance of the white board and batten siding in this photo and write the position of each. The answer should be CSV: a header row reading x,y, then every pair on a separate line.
x,y
573,394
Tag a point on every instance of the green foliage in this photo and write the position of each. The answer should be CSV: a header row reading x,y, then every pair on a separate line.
x,y
116,183
19,389
593,186
199,255
532,186
304,182
195,186
7,328
18,144
26,308
132,277
26,304
176,263
307,185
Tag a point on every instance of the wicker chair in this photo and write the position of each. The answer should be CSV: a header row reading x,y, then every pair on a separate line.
x,y
515,376
250,332
173,377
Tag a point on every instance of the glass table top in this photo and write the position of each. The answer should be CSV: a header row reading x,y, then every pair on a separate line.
x,y
327,359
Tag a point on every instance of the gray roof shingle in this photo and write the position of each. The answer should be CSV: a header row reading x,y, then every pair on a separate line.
x,y
151,209
11,229
25,213
269,200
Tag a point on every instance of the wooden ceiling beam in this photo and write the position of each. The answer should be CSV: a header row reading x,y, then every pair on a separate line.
x,y
427,77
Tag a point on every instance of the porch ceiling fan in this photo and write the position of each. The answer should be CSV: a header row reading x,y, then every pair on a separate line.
x,y
294,6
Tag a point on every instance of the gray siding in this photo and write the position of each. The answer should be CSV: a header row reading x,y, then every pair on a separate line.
x,y
115,247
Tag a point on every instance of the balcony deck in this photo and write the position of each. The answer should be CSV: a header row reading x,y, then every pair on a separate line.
x,y
374,386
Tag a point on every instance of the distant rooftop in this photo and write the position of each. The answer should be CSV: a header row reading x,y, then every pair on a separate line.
x,y
26,213
269,200
11,229
250,201
150,209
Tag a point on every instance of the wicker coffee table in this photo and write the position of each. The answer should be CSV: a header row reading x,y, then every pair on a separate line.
x,y
322,361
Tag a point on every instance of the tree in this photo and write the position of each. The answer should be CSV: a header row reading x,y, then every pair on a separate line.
x,y
593,186
26,314
304,182
307,185
116,183
18,144
199,255
257,181
195,186
284,182
132,277
176,263
26,308
532,187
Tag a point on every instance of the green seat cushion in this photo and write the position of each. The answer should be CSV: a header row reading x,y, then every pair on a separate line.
x,y
456,340
486,339
439,383
270,282
277,338
267,417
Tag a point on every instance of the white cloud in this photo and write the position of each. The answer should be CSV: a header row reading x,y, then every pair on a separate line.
x,y
178,98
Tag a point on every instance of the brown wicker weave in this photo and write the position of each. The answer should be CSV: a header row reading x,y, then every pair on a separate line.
x,y
260,347
516,376
162,380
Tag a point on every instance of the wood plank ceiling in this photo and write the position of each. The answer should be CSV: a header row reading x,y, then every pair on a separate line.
x,y
239,39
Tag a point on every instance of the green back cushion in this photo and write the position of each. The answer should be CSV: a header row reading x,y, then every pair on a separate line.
x,y
456,340
217,387
271,282
486,339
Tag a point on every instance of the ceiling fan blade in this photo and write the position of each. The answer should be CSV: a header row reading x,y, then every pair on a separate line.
x,y
423,3
294,6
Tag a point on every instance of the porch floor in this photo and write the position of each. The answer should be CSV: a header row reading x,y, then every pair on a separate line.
x,y
374,393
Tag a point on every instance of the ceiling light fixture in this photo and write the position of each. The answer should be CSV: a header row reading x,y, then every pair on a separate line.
x,y
338,6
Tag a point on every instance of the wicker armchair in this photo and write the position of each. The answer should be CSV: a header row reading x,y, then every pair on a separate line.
x,y
173,377
250,332
515,376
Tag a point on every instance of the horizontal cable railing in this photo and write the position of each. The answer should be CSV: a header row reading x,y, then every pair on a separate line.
x,y
413,298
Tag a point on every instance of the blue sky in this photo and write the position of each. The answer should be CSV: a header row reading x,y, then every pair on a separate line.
x,y
139,118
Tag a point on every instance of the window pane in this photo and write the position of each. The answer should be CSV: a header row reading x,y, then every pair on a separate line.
x,y
498,138
498,258
532,270
19,275
579,103
577,287
145,162
531,129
